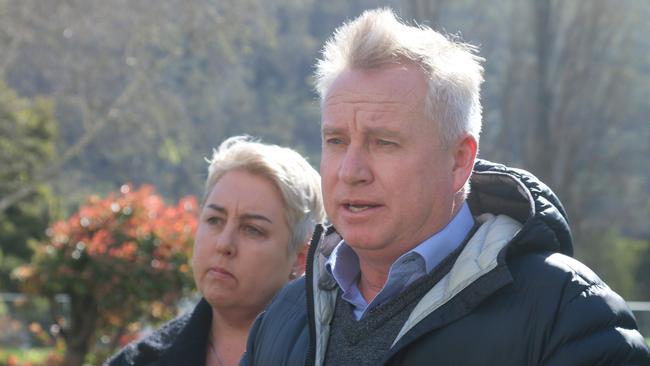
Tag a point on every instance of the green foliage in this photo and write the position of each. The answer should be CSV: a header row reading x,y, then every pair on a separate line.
x,y
24,319
24,356
27,133
642,279
619,260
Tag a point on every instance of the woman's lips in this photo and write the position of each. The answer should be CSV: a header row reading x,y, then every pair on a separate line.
x,y
220,273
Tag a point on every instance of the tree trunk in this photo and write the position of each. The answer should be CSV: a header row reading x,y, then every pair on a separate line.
x,y
81,333
74,357
542,146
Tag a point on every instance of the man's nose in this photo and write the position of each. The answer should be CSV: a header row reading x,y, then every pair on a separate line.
x,y
355,167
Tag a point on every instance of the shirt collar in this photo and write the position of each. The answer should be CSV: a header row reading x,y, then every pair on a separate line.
x,y
442,243
343,263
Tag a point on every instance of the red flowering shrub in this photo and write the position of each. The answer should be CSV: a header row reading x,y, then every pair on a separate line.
x,y
121,260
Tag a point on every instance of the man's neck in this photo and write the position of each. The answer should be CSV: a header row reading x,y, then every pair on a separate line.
x,y
372,278
374,271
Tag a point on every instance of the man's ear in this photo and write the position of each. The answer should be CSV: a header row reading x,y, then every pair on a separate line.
x,y
464,155
299,264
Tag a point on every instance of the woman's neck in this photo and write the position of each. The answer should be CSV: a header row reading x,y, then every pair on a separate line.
x,y
228,335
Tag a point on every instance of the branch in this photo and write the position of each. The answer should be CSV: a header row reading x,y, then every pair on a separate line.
x,y
73,151
10,54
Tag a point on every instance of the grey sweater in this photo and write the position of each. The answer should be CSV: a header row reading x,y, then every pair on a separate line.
x,y
366,341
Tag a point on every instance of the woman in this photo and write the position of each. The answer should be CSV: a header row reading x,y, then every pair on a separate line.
x,y
260,206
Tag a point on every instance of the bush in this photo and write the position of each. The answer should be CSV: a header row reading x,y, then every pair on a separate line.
x,y
121,260
28,130
32,356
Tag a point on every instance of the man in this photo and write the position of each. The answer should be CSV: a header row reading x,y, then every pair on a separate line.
x,y
418,270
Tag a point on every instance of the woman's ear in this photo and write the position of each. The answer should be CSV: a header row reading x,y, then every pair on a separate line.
x,y
298,268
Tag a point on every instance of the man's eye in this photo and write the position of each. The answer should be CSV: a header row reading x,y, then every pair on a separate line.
x,y
385,142
334,141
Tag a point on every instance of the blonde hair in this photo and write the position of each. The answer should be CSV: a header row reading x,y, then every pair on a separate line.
x,y
297,181
377,38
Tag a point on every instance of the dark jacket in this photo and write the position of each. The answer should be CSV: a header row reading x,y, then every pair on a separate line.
x,y
514,296
182,341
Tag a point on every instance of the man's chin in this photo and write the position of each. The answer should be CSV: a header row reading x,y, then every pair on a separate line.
x,y
360,239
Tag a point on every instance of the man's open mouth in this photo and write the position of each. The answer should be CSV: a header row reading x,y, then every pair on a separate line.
x,y
358,208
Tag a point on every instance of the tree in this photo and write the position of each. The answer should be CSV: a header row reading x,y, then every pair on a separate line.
x,y
566,97
568,115
27,133
120,260
162,81
423,10
145,90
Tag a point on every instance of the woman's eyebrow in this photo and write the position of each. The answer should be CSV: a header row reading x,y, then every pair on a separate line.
x,y
248,216
218,208
256,217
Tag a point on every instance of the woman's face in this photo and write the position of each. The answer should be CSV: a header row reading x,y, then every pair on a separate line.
x,y
241,256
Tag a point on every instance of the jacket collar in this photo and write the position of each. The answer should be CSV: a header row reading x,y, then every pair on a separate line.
x,y
188,348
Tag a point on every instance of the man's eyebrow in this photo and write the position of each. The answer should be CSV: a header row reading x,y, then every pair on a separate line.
x,y
371,131
382,131
248,216
332,131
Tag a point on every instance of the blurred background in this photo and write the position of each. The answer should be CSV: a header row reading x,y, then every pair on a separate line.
x,y
108,106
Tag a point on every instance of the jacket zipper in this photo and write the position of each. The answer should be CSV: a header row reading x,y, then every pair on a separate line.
x,y
310,359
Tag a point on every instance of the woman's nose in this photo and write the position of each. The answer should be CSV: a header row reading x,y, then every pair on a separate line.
x,y
226,241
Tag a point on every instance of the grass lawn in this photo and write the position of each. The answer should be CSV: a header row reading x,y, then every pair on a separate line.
x,y
32,355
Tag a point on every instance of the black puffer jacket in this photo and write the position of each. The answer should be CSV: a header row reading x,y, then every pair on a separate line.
x,y
514,296
181,341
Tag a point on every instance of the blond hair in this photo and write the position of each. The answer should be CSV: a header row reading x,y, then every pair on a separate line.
x,y
297,181
454,73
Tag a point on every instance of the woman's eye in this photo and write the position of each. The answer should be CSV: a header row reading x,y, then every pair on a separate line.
x,y
252,230
214,220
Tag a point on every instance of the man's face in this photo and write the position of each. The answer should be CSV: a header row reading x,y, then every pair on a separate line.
x,y
388,184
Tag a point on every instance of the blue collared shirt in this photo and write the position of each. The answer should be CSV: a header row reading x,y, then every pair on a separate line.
x,y
343,263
